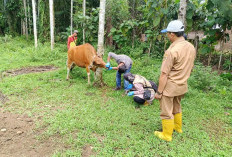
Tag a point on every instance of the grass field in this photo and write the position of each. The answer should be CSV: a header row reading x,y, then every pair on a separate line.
x,y
107,122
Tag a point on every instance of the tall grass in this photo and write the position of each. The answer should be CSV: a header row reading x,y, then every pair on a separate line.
x,y
110,122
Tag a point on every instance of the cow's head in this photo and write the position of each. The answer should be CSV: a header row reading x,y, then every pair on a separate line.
x,y
98,62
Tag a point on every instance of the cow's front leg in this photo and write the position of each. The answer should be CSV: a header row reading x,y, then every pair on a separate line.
x,y
68,70
88,73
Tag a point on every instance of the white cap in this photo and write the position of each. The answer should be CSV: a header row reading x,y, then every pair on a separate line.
x,y
174,26
75,31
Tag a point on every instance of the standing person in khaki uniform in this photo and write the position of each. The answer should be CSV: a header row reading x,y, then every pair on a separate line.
x,y
177,65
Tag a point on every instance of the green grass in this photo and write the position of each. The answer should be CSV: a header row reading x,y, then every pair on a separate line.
x,y
110,122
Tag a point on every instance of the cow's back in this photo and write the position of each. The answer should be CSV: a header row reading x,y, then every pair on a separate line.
x,y
82,55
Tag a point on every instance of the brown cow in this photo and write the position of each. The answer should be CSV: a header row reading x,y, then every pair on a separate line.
x,y
84,56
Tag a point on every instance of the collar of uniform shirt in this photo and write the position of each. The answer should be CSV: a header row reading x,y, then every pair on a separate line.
x,y
178,40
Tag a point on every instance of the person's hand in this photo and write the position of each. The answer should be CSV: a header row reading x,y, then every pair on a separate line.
x,y
157,96
108,65
130,94
110,68
129,87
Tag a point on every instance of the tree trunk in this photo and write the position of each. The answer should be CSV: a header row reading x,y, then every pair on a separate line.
x,y
133,29
209,58
182,12
196,42
10,21
100,49
109,39
84,6
165,17
34,22
220,60
51,23
25,20
221,47
165,44
38,10
22,27
71,18
5,1
29,17
230,63
149,50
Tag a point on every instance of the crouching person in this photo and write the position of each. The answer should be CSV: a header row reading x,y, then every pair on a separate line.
x,y
143,90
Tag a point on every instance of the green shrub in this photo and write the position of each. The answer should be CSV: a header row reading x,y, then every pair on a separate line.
x,y
201,78
227,64
204,79
227,76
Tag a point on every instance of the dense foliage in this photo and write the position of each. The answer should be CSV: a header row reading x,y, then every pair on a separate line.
x,y
126,22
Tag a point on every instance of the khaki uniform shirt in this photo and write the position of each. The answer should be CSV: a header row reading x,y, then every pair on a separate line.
x,y
177,63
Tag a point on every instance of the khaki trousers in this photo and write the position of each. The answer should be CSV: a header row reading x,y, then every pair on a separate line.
x,y
170,106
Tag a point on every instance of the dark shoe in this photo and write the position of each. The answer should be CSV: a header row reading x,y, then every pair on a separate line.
x,y
117,88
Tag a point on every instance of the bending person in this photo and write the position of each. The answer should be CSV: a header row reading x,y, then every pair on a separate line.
x,y
124,65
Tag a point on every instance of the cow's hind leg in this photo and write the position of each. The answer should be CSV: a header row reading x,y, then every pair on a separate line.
x,y
72,66
88,73
69,66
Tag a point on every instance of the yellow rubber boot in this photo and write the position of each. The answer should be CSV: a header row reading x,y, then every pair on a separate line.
x,y
178,122
168,125
146,103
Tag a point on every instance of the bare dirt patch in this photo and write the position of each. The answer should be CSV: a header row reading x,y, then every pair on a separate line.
x,y
87,151
28,70
18,137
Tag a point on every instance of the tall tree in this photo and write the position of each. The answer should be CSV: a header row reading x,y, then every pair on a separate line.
x,y
71,18
5,1
84,8
51,23
13,16
182,11
100,46
34,21
38,9
29,16
25,19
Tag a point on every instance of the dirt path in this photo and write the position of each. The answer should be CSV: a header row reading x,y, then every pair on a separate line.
x,y
28,70
18,137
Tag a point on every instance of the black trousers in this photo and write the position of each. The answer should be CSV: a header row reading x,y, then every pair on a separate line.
x,y
139,100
